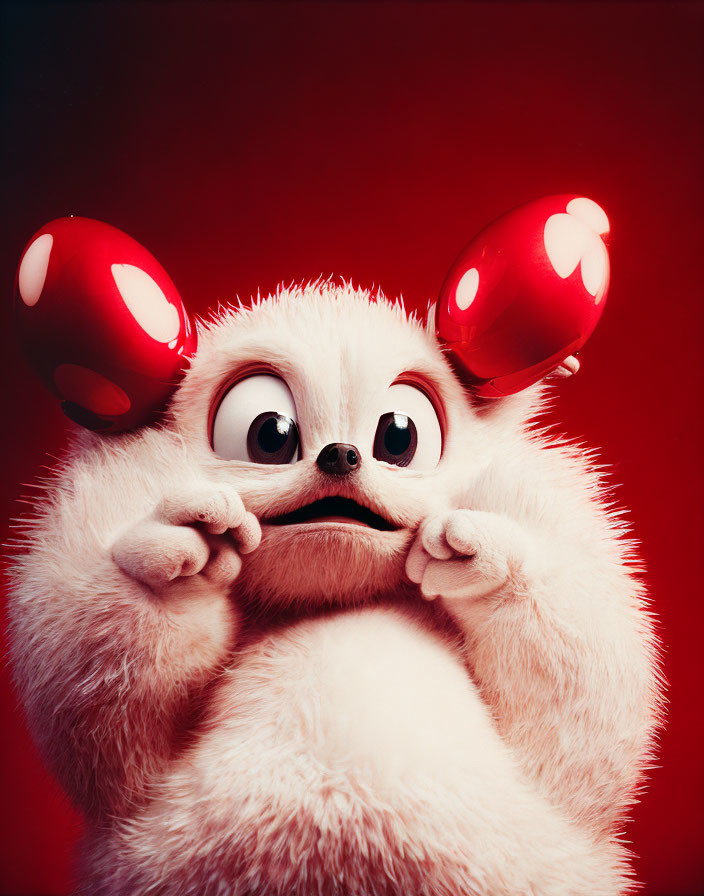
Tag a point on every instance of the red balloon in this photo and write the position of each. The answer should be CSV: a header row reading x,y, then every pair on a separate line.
x,y
101,322
525,295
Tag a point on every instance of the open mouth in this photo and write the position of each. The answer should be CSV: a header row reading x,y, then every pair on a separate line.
x,y
334,509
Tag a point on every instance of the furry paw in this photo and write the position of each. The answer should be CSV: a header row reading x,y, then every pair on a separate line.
x,y
201,530
467,554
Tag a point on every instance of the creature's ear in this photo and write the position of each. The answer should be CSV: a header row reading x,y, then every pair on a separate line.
x,y
101,322
525,295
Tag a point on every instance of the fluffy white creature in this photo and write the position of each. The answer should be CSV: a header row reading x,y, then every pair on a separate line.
x,y
262,668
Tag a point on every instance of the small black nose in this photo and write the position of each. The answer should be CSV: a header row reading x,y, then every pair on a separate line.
x,y
338,458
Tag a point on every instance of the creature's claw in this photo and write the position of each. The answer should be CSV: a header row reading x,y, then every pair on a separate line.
x,y
465,554
186,535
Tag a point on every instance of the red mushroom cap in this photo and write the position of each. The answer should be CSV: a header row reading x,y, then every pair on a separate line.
x,y
525,294
101,322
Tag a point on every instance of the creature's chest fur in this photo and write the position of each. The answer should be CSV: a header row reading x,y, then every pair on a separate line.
x,y
372,693
350,735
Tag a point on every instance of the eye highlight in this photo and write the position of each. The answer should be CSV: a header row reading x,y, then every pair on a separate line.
x,y
256,421
408,434
396,439
272,439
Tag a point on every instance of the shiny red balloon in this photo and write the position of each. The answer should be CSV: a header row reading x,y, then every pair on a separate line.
x,y
101,322
525,295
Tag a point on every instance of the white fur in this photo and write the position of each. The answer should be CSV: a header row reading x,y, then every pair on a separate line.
x,y
292,716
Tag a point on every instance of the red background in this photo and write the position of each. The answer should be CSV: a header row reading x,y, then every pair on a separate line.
x,y
248,144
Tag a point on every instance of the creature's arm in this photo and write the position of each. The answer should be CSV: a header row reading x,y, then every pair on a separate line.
x,y
121,613
557,637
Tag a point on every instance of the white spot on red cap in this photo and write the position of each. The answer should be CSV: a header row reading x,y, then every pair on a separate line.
x,y
33,268
147,303
590,213
569,241
91,390
566,240
595,266
466,291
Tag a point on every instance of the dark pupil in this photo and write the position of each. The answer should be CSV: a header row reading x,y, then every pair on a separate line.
x,y
397,438
272,439
274,434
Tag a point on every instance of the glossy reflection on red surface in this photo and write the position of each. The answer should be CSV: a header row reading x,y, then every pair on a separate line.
x,y
249,144
101,322
526,293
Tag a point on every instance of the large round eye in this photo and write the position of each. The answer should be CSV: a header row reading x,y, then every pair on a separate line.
x,y
256,421
409,433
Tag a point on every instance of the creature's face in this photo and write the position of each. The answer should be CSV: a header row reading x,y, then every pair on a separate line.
x,y
270,389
